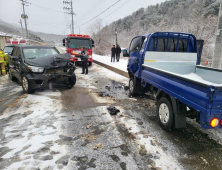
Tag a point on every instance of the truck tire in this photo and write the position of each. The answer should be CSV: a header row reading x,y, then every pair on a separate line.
x,y
26,85
11,77
133,86
72,80
90,63
165,113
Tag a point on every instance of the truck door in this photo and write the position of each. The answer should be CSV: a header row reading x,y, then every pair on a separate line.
x,y
135,53
200,44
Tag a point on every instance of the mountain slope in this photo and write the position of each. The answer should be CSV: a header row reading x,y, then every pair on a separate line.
x,y
194,16
13,29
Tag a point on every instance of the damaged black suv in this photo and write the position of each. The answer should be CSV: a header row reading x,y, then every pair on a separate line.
x,y
40,67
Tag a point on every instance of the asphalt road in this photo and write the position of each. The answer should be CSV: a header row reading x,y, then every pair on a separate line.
x,y
72,129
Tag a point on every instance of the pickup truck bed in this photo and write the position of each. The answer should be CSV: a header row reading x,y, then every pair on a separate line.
x,y
177,76
167,66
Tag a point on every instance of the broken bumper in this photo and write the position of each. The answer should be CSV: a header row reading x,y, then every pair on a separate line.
x,y
38,81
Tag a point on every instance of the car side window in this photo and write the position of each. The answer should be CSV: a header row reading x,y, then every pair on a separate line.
x,y
14,52
135,44
161,44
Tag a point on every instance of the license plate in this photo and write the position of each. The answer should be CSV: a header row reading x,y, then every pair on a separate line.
x,y
53,71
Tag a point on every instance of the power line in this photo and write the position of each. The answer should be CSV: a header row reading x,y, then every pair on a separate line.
x,y
99,14
88,10
116,10
47,8
111,12
33,23
91,10
70,9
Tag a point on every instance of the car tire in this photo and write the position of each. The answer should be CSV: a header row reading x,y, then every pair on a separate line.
x,y
165,114
72,80
90,63
11,77
26,85
133,86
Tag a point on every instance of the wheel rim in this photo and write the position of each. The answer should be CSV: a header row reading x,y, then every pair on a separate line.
x,y
25,83
131,86
164,113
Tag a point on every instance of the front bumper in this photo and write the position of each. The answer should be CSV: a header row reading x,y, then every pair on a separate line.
x,y
38,81
78,59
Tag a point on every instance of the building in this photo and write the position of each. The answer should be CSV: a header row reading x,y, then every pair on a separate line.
x,y
3,38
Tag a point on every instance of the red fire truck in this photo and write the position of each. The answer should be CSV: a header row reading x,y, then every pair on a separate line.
x,y
73,44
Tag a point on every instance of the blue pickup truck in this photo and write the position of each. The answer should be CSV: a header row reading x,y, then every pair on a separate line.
x,y
167,66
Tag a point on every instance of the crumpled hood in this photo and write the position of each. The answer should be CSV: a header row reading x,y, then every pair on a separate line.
x,y
58,60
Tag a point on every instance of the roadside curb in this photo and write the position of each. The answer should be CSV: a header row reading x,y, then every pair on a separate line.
x,y
116,70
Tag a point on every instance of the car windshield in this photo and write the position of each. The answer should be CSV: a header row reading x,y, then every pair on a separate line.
x,y
8,50
32,53
78,43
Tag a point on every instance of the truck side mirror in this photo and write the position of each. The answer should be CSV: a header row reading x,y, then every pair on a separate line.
x,y
93,45
125,53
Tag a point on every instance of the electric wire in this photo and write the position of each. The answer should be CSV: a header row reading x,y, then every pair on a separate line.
x,y
111,13
99,14
91,11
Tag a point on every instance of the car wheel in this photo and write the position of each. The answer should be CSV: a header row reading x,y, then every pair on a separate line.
x,y
72,80
165,113
90,63
26,85
133,86
11,77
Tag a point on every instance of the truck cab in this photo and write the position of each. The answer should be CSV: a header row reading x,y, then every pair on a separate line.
x,y
73,44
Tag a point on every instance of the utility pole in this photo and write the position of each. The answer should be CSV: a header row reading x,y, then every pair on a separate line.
x,y
24,16
21,27
217,59
70,11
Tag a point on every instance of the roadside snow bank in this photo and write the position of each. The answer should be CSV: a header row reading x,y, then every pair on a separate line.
x,y
122,64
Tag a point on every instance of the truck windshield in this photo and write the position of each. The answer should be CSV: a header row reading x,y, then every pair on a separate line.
x,y
32,53
78,43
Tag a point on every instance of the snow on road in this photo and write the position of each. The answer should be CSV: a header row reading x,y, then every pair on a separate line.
x,y
34,130
28,131
122,64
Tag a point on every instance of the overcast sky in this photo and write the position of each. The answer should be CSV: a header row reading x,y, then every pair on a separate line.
x,y
43,18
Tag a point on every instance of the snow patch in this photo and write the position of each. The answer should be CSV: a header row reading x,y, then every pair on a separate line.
x,y
122,64
164,160
34,129
197,78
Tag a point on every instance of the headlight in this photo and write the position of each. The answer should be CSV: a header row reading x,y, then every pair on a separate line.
x,y
36,69
90,56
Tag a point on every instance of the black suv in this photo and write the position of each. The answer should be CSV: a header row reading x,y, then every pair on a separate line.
x,y
40,66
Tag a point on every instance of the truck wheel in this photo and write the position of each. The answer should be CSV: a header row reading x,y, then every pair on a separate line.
x,y
165,113
90,63
133,86
72,80
11,77
26,85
